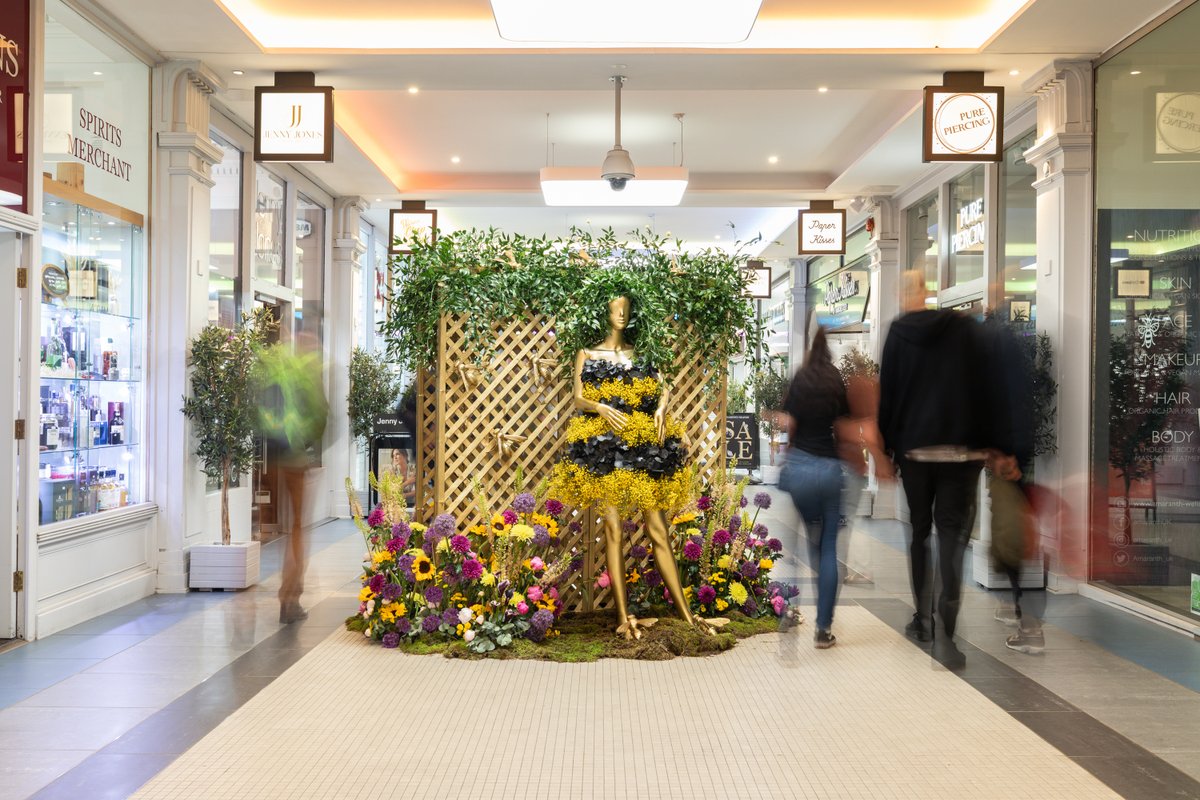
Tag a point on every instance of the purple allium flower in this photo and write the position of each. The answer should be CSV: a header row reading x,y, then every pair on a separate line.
x,y
450,616
430,623
628,526
472,570
749,569
750,607
762,500
376,582
403,626
576,564
395,545
401,529
391,639
759,531
429,545
775,545
460,543
692,551
554,507
524,503
778,604
722,537
443,525
510,517
404,565
742,501
735,523
541,536
575,526
391,592
652,578
433,595
706,594
539,623
375,518
704,503
637,551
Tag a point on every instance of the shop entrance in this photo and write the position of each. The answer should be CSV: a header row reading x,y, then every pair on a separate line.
x,y
13,247
266,482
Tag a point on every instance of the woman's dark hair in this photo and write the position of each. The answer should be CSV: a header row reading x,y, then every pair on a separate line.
x,y
818,379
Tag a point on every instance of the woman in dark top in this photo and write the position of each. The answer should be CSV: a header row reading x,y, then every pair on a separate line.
x,y
812,475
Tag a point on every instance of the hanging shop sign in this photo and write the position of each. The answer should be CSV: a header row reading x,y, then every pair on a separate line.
x,y
14,110
293,120
759,275
1177,124
964,120
741,440
840,299
822,229
970,230
411,220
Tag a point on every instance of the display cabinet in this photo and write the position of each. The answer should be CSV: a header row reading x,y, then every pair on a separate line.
x,y
92,350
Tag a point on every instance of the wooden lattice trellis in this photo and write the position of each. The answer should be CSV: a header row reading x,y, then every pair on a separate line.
x,y
484,424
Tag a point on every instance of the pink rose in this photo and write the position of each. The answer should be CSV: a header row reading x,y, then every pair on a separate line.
x,y
779,604
536,564
534,594
553,593
603,581
522,607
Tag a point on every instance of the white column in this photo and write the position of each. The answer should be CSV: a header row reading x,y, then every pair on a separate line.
x,y
341,448
184,156
1062,157
798,336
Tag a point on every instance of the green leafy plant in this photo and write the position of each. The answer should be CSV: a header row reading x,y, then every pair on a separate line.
x,y
738,397
223,407
374,389
856,363
691,305
770,390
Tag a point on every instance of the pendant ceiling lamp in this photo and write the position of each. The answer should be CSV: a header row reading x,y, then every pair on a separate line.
x,y
616,182
625,21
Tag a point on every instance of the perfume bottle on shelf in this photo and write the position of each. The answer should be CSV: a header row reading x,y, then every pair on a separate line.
x,y
116,422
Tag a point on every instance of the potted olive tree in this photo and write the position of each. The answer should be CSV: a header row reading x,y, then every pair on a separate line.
x,y
770,390
223,411
374,389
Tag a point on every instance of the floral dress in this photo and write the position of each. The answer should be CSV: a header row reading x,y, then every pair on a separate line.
x,y
630,469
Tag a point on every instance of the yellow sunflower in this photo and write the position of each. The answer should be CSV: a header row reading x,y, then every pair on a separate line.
x,y
422,568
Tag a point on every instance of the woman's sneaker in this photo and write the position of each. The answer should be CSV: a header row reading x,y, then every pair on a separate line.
x,y
1008,615
824,640
1029,642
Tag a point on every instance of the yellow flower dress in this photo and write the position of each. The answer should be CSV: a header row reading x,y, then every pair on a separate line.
x,y
630,469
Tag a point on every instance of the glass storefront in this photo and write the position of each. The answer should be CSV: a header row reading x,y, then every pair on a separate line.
x,y
1146,445
225,237
924,243
93,278
1018,234
968,228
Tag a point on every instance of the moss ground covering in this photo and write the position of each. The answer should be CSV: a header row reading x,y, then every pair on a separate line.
x,y
589,636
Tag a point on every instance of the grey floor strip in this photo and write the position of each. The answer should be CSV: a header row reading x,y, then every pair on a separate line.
x,y
1124,766
120,769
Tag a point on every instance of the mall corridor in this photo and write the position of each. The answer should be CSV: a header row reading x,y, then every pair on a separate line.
x,y
205,695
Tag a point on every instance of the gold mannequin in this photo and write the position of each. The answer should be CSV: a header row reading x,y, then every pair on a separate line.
x,y
615,349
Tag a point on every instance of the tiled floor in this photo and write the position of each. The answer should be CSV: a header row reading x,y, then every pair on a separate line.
x,y
98,710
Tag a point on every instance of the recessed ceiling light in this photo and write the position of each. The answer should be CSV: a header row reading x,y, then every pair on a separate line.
x,y
718,236
378,199
1135,72
455,159
773,160
97,72
239,72
413,89
822,89
1014,72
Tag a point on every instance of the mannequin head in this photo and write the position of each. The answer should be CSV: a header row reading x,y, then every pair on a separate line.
x,y
620,310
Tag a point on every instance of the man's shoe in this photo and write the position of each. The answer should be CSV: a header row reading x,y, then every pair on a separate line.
x,y
1007,615
948,655
1029,642
824,640
292,612
919,629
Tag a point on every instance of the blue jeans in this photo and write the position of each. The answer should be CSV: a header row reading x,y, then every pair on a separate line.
x,y
815,485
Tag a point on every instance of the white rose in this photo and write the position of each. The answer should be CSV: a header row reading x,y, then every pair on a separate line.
x,y
465,615
468,636
370,607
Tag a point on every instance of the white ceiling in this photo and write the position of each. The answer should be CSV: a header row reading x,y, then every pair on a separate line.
x,y
741,105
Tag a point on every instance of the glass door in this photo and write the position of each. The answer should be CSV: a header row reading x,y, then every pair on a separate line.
x,y
13,246
266,481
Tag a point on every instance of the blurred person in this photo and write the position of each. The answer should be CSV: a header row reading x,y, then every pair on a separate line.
x,y
860,446
933,417
812,472
292,418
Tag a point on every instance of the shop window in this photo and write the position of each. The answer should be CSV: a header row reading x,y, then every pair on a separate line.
x,y
968,228
309,281
269,198
1145,541
225,237
923,243
1019,234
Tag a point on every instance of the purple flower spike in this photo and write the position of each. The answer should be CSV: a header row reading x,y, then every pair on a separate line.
x,y
430,624
541,536
524,503
762,500
760,531
443,525
433,595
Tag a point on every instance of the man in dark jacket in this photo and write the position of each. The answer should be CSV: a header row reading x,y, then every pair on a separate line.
x,y
933,414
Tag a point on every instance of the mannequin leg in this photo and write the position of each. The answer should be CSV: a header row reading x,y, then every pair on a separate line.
x,y
616,560
664,560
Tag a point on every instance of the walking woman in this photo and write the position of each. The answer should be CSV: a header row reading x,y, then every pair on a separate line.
x,y
812,475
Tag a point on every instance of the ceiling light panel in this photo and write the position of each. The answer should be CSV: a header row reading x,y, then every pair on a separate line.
x,y
626,21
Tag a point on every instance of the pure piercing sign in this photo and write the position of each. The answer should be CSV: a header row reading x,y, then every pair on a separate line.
x,y
964,120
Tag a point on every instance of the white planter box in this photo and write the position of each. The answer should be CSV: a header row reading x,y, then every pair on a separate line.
x,y
218,566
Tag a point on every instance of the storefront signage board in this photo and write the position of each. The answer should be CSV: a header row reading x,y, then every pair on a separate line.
x,y
14,110
964,120
741,440
970,228
1132,283
405,223
822,230
1177,125
293,122
840,299
760,280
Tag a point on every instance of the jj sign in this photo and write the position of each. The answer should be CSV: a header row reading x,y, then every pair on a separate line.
x,y
293,120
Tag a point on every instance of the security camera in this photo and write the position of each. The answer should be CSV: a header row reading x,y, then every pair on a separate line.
x,y
617,169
